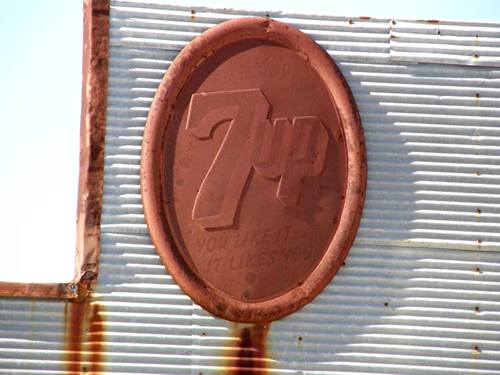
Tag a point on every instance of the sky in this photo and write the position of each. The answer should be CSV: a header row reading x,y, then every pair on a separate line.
x,y
40,89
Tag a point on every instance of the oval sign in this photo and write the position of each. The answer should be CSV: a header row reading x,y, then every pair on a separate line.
x,y
253,170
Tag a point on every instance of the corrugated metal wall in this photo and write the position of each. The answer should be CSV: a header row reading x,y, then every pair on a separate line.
x,y
419,293
464,43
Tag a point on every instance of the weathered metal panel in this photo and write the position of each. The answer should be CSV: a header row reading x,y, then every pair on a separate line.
x,y
432,41
409,300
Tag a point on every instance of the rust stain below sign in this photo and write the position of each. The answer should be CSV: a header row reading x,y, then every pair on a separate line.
x,y
253,170
251,356
84,338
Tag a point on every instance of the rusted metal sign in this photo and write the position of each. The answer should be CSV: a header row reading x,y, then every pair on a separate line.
x,y
253,170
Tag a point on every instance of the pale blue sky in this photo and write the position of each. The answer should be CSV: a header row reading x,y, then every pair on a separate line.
x,y
40,76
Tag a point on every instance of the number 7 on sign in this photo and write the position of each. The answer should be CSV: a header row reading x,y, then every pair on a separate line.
x,y
284,150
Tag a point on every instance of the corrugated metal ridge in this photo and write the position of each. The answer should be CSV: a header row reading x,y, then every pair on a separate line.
x,y
158,6
178,25
327,15
444,42
434,41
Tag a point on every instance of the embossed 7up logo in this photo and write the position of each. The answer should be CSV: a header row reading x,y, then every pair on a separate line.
x,y
286,150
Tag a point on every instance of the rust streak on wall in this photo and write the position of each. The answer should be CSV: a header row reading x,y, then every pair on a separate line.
x,y
84,338
96,338
73,321
251,356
